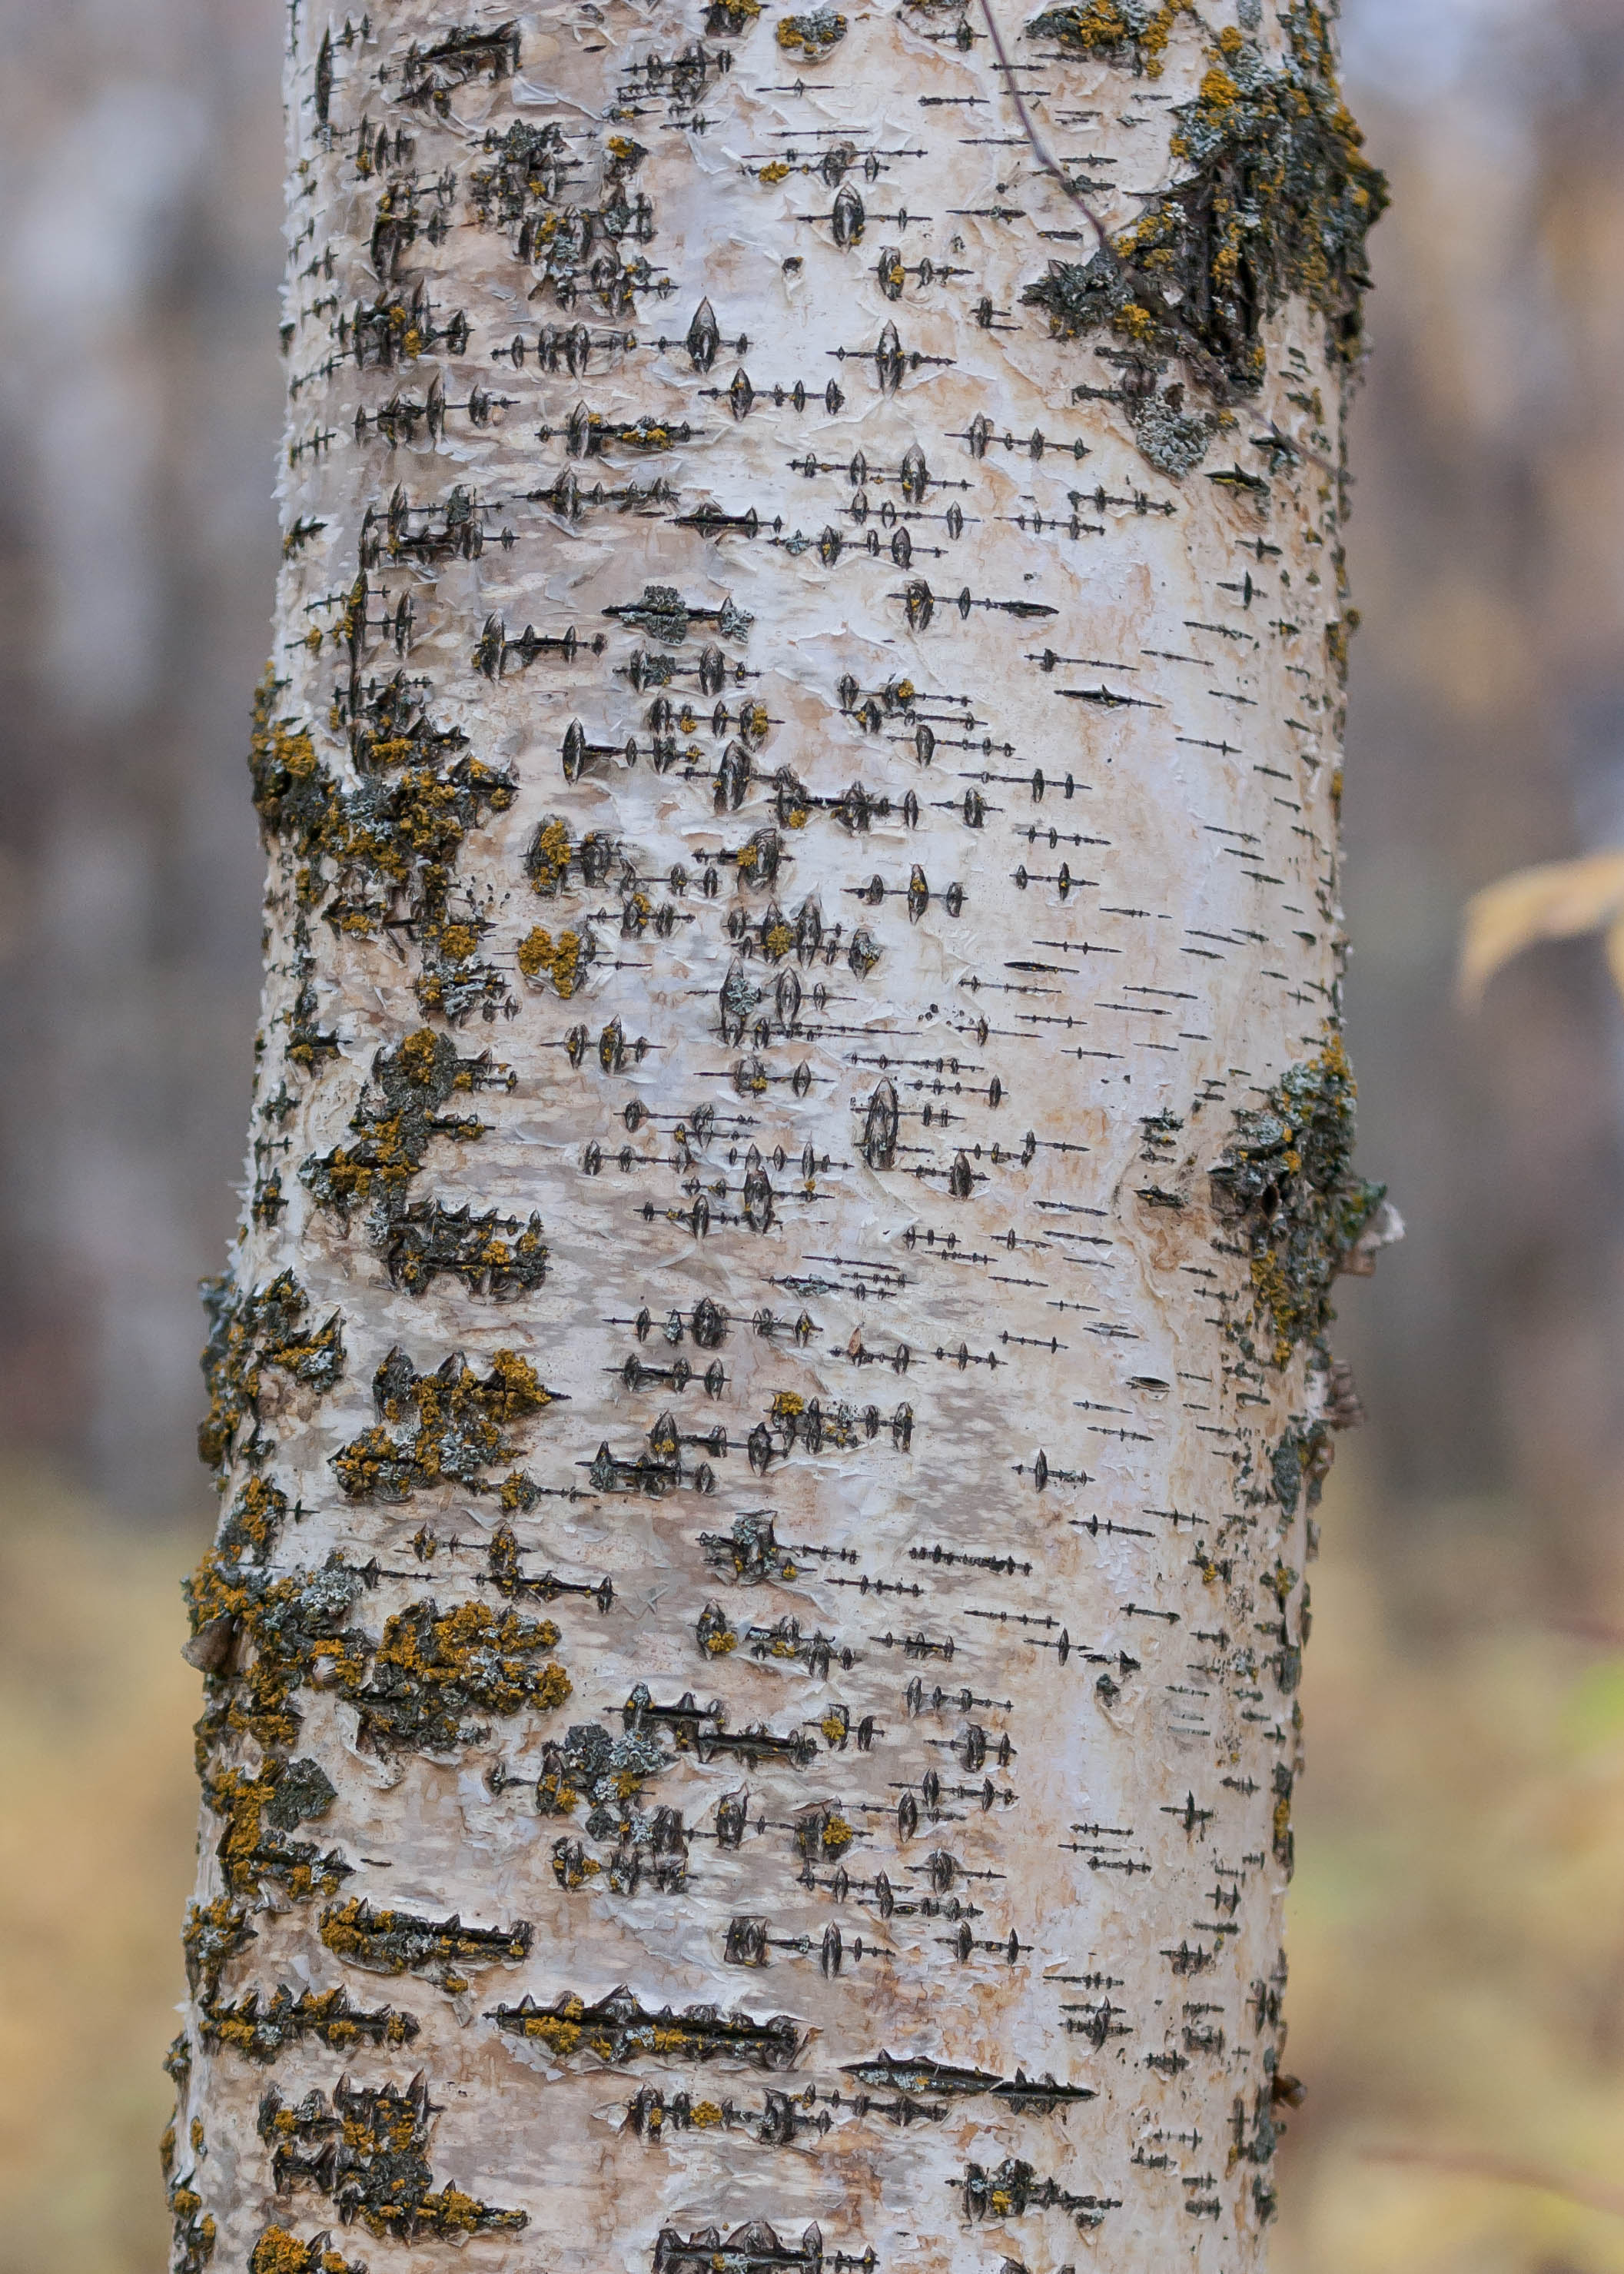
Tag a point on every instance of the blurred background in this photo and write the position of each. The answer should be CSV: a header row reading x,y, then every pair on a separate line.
x,y
1457,1929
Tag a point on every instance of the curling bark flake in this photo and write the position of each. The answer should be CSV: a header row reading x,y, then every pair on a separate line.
x,y
770,1392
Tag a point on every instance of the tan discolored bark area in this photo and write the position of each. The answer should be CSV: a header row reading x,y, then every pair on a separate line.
x,y
768,1399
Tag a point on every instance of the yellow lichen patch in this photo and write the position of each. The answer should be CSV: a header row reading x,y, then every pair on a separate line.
x,y
278,2252
548,861
563,960
240,1800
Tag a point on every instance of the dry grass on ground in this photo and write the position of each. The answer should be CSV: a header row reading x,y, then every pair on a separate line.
x,y
1457,1938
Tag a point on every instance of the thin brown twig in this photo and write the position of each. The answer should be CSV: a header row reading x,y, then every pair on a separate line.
x,y
1040,150
1594,2194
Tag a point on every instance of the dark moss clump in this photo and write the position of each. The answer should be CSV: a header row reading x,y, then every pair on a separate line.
x,y
445,1428
260,2033
290,1624
397,1121
1278,201
387,848
214,1935
1302,1458
367,2150
251,1853
491,1254
1286,1175
1129,33
249,1330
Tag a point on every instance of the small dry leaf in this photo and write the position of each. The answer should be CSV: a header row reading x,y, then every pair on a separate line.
x,y
1559,899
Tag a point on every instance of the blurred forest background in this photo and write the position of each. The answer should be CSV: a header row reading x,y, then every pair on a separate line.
x,y
1457,1931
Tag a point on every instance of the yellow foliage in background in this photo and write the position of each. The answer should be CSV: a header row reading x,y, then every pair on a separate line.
x,y
98,1806
1456,1929
1559,899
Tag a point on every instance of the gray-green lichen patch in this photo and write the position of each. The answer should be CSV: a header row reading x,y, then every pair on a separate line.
x,y
194,2231
214,1934
397,1119
283,1627
1013,2188
1286,1177
444,1428
455,980
811,37
1174,440
530,185
304,1791
605,1771
1302,1459
1276,202
492,1254
253,1525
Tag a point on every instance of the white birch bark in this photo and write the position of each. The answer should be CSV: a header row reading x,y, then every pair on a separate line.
x,y
750,1655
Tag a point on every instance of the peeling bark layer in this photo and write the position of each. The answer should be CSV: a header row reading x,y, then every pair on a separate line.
x,y
768,1399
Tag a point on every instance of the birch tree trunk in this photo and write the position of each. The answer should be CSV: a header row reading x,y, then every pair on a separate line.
x,y
769,1397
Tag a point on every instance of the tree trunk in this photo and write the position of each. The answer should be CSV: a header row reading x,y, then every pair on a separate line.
x,y
769,1396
